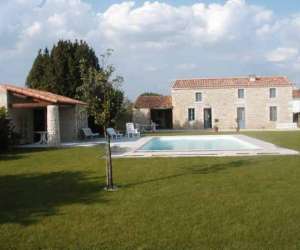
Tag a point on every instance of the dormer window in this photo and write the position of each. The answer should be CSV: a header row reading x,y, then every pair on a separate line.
x,y
272,92
241,93
198,97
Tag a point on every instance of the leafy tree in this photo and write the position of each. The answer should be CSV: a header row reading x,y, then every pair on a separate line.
x,y
125,114
100,90
59,70
41,74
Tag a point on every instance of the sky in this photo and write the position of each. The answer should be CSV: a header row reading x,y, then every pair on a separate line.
x,y
156,42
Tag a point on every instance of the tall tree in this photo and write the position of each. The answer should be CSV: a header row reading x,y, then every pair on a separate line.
x,y
59,70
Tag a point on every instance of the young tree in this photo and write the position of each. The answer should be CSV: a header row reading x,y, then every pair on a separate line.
x,y
100,89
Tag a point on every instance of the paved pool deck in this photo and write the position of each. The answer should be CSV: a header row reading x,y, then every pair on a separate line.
x,y
130,149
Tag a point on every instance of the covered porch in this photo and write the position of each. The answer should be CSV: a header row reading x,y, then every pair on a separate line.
x,y
42,117
149,110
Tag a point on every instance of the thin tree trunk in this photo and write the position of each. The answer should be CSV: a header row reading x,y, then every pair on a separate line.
x,y
109,172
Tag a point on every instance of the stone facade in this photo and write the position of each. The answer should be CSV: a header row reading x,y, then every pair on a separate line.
x,y
73,119
63,122
224,103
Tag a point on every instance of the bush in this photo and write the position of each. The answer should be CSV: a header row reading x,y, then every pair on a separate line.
x,y
7,136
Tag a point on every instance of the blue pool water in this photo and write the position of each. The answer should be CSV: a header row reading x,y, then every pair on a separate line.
x,y
192,143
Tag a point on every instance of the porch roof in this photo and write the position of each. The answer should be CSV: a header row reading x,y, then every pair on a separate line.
x,y
41,95
154,102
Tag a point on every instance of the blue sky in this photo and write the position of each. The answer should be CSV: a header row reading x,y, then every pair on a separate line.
x,y
156,42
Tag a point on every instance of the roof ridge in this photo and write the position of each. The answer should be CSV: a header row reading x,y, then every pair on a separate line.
x,y
231,82
226,77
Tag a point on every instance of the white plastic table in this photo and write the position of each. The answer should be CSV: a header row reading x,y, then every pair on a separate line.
x,y
43,137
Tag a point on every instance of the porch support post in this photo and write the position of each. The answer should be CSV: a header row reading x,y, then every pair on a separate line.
x,y
53,129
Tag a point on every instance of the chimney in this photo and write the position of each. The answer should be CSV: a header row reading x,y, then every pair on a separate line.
x,y
252,78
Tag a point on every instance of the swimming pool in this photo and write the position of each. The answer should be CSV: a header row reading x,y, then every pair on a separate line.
x,y
196,143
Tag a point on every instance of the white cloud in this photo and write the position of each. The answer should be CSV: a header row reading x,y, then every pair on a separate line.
x,y
34,29
154,42
282,54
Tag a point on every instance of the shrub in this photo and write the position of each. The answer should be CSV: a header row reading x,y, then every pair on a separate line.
x,y
7,136
4,130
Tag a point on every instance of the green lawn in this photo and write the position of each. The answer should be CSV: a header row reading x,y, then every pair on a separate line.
x,y
54,199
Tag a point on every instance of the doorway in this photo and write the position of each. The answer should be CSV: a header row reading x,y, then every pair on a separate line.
x,y
241,117
39,122
207,118
162,117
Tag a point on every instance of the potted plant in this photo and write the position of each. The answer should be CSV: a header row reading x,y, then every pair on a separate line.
x,y
216,127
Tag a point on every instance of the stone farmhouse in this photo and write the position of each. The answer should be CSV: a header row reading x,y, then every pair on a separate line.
x,y
250,102
33,111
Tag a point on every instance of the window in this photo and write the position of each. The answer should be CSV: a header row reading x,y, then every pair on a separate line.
x,y
191,114
273,114
272,92
198,97
241,93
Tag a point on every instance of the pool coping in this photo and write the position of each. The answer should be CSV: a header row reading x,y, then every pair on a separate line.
x,y
129,150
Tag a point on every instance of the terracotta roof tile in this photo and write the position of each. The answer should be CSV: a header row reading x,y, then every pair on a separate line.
x,y
152,102
235,82
296,93
41,95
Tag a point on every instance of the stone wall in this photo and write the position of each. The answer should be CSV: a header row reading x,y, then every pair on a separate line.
x,y
224,104
72,120
21,119
81,117
3,98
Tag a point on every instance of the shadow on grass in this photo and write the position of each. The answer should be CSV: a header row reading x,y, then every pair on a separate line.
x,y
200,169
213,168
19,153
25,199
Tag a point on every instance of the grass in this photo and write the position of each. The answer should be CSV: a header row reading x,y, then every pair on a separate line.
x,y
54,199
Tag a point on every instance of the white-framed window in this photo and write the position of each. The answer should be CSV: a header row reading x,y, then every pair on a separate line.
x,y
241,93
198,96
191,114
273,113
272,92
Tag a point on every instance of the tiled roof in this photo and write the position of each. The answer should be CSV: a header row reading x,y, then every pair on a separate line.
x,y
235,82
41,95
152,102
296,93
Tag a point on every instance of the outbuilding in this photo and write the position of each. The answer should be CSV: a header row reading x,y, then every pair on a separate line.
x,y
43,116
153,109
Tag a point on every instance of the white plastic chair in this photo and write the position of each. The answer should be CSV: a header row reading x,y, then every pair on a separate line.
x,y
131,131
87,132
113,134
